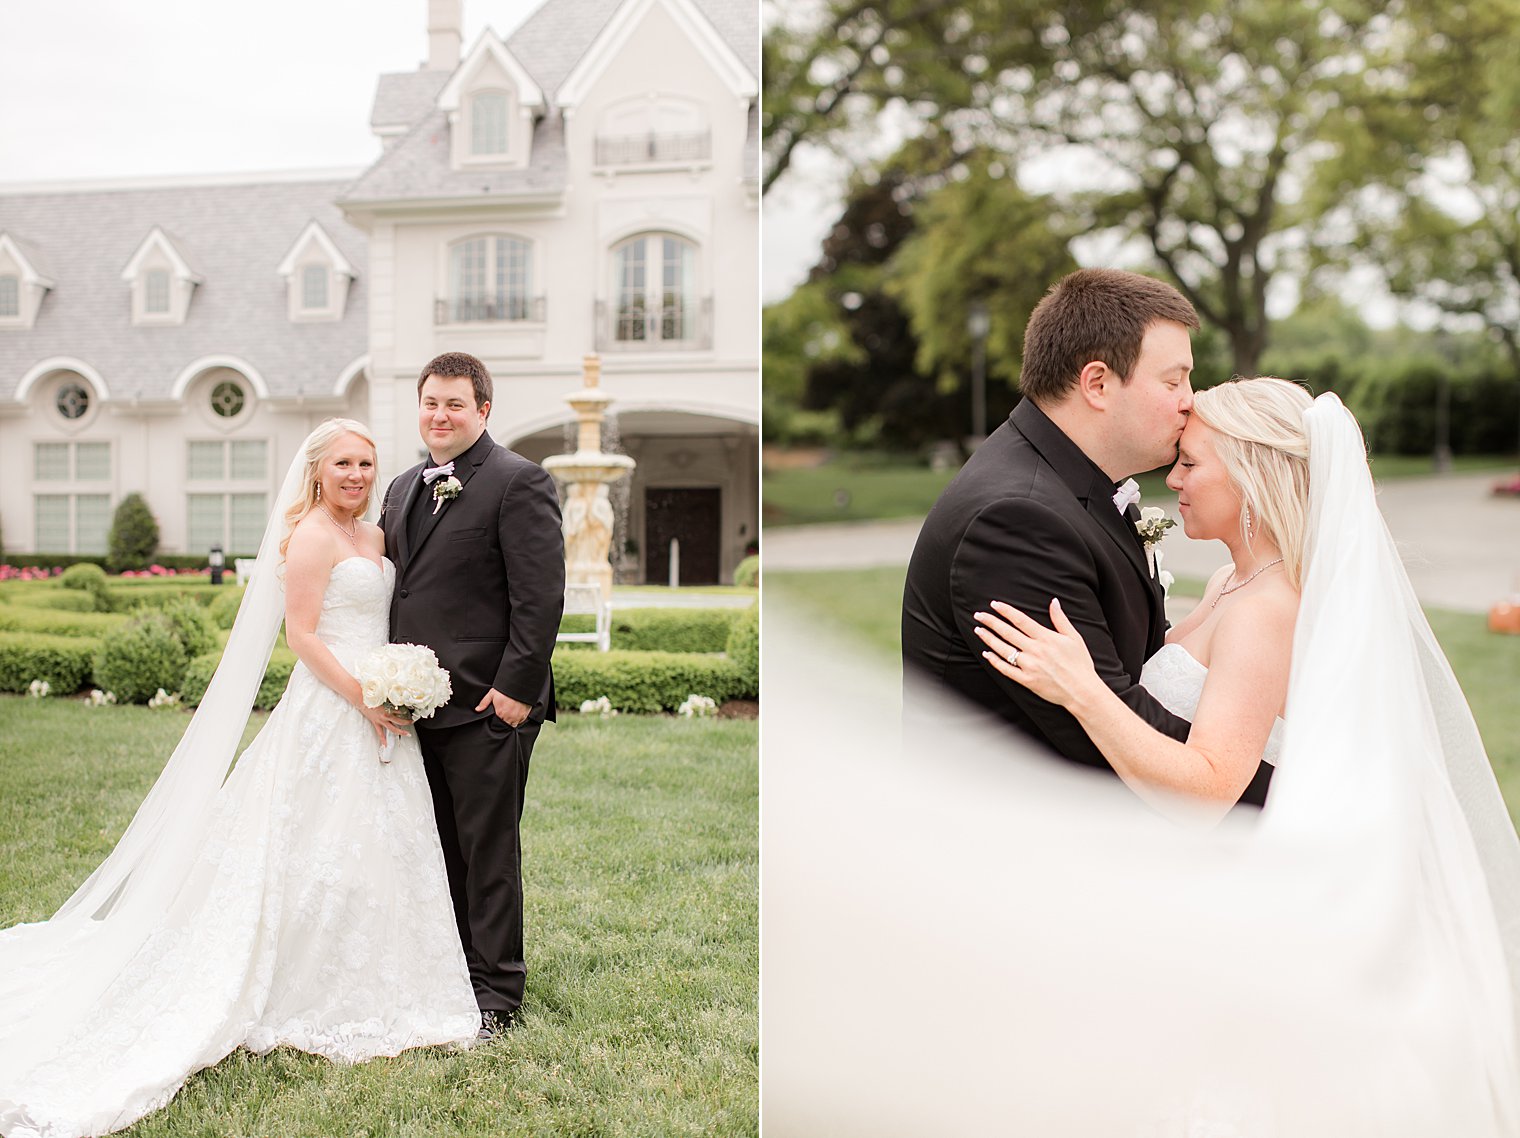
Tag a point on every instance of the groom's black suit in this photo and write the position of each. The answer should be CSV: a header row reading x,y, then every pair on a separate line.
x,y
1031,517
481,581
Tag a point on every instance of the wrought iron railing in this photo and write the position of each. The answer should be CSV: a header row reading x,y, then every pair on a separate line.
x,y
489,310
639,327
636,149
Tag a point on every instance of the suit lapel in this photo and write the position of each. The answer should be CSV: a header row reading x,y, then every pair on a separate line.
x,y
403,544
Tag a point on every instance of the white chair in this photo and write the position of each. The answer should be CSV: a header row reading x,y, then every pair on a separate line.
x,y
587,600
244,568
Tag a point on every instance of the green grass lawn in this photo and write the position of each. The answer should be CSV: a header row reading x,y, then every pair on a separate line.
x,y
865,606
858,487
641,873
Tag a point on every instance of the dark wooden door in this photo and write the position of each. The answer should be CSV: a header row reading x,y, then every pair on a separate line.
x,y
692,515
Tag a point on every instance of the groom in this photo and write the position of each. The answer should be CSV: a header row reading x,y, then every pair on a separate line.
x,y
1046,508
474,533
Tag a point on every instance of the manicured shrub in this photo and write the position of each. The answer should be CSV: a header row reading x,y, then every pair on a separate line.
x,y
747,572
642,681
199,671
91,579
744,650
224,606
134,535
160,592
662,629
56,622
61,600
64,662
192,626
139,658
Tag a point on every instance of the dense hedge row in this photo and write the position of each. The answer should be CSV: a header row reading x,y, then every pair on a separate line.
x,y
276,675
65,662
56,622
661,629
644,681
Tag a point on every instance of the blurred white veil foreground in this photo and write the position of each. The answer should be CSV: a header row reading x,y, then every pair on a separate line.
x,y
982,941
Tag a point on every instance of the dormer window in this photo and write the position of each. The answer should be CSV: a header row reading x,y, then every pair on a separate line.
x,y
491,101
488,124
161,280
22,283
317,276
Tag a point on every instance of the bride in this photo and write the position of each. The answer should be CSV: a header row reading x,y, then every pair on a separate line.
x,y
302,902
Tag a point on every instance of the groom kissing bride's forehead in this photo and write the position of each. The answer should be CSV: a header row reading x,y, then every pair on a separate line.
x,y
1042,510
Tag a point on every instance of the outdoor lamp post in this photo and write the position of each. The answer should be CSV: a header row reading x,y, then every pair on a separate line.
x,y
978,324
218,562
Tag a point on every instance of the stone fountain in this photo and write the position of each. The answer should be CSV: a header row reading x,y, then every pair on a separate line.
x,y
586,474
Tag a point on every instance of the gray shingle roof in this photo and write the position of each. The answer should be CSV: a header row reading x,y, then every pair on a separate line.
x,y
235,236
738,22
403,98
418,167
552,40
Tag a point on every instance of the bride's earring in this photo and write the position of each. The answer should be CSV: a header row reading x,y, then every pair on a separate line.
x,y
319,495
1248,519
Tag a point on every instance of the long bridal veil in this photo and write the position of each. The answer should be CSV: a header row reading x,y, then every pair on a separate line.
x,y
53,972
980,941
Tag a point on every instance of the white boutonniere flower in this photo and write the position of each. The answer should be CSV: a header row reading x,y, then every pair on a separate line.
x,y
445,489
1152,527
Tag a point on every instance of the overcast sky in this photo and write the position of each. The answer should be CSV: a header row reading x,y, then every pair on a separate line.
x,y
138,88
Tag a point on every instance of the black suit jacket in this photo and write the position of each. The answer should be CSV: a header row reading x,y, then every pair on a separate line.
x,y
483,585
1031,517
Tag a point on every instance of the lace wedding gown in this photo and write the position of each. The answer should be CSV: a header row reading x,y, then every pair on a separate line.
x,y
1176,680
317,916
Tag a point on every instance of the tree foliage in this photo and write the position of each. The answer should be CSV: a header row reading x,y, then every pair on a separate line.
x,y
134,535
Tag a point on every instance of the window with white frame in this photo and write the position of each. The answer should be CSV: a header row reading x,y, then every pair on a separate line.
x,y
72,401
488,123
654,291
10,295
314,287
491,279
74,514
227,504
653,129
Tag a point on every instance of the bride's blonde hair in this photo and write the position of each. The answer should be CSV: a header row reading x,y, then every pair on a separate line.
x,y
1260,438
318,445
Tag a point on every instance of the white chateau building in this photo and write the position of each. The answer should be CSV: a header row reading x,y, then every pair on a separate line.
x,y
588,184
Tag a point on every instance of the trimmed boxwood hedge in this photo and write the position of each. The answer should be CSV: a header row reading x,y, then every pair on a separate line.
x,y
138,659
65,662
661,629
643,681
62,600
276,675
744,648
57,622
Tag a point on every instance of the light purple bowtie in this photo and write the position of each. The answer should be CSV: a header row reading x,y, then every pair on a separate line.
x,y
1127,494
433,472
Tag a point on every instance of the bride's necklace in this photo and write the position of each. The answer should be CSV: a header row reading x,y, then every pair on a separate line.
x,y
351,534
1231,588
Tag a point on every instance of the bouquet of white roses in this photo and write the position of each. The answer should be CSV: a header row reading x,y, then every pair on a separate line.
x,y
405,679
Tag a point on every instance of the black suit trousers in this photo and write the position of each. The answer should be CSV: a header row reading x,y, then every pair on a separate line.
x,y
478,772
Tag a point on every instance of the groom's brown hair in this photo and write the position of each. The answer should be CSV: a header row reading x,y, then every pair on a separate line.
x,y
1093,314
452,365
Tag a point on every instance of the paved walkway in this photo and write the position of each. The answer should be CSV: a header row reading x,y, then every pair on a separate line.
x,y
1460,544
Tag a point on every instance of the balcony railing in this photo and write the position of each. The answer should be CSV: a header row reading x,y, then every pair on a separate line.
x,y
658,328
489,310
639,149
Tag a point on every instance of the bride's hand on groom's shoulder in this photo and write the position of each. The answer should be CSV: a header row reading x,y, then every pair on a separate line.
x,y
1052,663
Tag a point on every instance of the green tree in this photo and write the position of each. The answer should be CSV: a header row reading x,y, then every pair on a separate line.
x,y
134,535
1212,132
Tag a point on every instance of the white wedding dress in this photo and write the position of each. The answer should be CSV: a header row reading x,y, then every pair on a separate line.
x,y
316,915
1176,681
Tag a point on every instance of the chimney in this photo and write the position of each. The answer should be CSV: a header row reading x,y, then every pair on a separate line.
x,y
444,35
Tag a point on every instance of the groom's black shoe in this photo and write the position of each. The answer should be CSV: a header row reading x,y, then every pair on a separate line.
x,y
493,1025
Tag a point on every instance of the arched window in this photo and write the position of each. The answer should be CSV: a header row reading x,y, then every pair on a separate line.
x,y
654,291
488,123
491,279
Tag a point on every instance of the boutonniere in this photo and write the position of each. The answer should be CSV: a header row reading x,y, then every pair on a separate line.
x,y
1152,527
444,490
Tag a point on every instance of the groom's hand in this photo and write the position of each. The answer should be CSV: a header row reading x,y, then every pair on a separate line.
x,y
507,709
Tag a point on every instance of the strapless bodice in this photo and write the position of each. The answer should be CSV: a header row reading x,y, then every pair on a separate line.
x,y
1175,678
356,607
